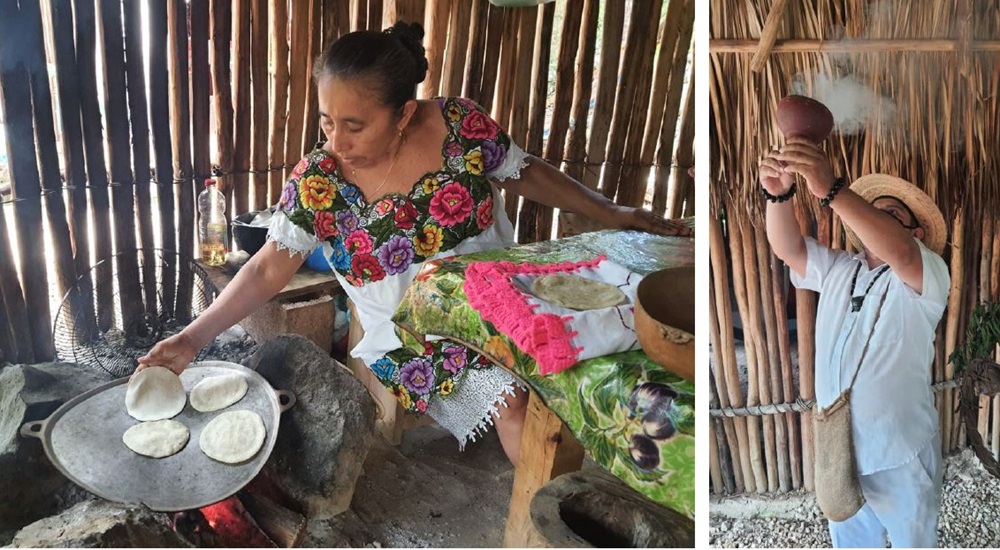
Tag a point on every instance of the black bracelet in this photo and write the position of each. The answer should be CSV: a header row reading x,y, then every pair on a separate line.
x,y
779,198
838,184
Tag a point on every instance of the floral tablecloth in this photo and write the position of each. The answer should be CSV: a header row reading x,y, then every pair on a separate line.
x,y
634,418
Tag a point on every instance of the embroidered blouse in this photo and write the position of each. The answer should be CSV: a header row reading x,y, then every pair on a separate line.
x,y
377,248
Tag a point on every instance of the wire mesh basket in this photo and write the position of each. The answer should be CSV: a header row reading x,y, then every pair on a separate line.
x,y
125,304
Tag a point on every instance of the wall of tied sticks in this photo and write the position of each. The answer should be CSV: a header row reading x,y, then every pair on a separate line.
x,y
115,112
939,64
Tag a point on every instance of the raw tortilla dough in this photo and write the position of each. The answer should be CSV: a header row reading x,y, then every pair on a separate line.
x,y
575,292
218,392
233,437
155,393
157,439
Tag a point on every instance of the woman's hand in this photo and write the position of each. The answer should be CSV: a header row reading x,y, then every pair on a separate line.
x,y
644,220
174,353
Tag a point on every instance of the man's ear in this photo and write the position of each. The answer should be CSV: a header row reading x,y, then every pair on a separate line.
x,y
919,233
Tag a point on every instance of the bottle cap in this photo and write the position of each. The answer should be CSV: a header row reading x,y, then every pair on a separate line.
x,y
209,181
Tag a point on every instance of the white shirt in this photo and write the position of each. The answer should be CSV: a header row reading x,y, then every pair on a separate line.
x,y
892,406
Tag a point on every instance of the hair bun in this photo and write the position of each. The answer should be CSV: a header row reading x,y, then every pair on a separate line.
x,y
411,35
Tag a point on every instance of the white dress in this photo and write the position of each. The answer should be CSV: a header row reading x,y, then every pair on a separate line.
x,y
375,251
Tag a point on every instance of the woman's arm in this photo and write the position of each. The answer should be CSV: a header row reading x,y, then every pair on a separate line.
x,y
545,184
267,272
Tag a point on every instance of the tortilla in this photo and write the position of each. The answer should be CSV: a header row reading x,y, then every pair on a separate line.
x,y
156,393
575,292
218,392
233,437
157,439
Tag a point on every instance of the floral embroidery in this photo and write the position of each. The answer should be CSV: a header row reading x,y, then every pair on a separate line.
x,y
396,255
484,213
430,241
358,242
478,125
384,206
316,192
451,205
474,162
416,375
366,267
405,216
324,225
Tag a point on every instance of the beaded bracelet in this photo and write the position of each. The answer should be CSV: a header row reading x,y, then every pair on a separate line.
x,y
837,185
778,198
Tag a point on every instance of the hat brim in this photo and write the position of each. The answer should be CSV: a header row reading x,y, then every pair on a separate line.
x,y
923,207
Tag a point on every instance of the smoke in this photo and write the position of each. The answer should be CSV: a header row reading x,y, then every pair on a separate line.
x,y
854,105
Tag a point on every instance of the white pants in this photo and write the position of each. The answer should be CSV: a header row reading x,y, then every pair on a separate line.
x,y
902,502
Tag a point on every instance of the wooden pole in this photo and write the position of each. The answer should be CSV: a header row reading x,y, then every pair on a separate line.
x,y
244,118
359,15
159,118
576,144
854,46
805,318
437,35
84,322
411,11
311,133
518,128
607,88
772,381
222,95
375,9
768,35
682,184
261,105
279,105
141,163
536,117
732,394
93,148
298,80
491,59
477,49
457,48
626,101
787,391
120,162
729,457
503,103
957,269
180,111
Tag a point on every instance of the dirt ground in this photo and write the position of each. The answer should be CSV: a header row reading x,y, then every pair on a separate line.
x,y
426,493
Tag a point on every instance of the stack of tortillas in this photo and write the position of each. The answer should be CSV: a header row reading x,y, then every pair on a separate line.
x,y
154,396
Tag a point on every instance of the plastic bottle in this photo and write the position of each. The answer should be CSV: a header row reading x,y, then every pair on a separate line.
x,y
213,233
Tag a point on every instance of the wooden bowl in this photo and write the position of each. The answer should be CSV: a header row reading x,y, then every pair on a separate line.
x,y
800,116
664,319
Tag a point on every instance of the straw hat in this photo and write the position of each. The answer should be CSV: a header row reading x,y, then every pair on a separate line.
x,y
923,207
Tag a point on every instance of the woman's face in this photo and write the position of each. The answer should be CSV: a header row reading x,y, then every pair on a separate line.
x,y
360,129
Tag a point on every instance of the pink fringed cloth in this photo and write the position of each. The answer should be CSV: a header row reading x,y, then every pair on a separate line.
x,y
557,338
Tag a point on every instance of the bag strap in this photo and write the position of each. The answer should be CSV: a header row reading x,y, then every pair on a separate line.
x,y
864,351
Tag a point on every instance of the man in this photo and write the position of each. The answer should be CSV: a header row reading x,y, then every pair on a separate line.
x,y
901,234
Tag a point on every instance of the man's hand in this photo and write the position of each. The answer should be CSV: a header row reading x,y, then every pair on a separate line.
x,y
773,178
806,159
174,353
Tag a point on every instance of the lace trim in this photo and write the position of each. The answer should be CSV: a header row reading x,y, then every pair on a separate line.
x,y
515,161
547,337
468,411
288,236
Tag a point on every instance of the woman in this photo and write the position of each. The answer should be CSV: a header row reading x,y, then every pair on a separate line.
x,y
399,182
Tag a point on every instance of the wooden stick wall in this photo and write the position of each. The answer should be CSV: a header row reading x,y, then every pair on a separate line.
x,y
226,90
941,138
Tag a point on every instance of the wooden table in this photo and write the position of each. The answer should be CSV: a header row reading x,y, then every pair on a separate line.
x,y
560,421
304,306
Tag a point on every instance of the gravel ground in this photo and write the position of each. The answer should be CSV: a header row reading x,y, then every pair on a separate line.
x,y
970,515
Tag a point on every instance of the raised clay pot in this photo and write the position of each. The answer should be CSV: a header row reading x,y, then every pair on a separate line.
x,y
800,116
664,319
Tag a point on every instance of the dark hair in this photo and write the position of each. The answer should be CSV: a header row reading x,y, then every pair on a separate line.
x,y
393,59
